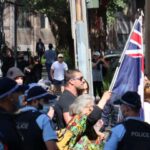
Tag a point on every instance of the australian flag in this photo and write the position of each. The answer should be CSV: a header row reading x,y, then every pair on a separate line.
x,y
129,73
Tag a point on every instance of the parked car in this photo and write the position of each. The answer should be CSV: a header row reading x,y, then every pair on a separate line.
x,y
113,60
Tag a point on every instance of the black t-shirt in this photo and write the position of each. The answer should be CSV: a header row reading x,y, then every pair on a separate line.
x,y
36,72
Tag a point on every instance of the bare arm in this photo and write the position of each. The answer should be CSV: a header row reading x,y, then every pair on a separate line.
x,y
52,73
51,145
50,112
96,113
106,96
67,117
106,64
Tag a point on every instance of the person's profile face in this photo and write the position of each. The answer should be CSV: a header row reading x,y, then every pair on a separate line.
x,y
14,103
88,109
78,81
85,86
124,111
19,80
96,57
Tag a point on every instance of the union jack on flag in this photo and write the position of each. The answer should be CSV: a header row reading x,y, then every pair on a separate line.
x,y
129,75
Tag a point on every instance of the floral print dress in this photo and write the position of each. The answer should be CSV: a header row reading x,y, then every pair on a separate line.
x,y
79,141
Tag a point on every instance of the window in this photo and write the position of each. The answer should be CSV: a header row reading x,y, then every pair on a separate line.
x,y
42,20
24,19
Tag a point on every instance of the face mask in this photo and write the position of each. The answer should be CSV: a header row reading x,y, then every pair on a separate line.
x,y
19,81
120,116
15,102
45,108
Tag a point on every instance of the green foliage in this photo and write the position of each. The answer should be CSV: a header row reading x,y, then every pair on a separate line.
x,y
67,58
58,13
113,7
54,9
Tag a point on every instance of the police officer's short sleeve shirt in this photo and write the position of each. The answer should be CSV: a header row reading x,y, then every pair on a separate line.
x,y
116,135
44,123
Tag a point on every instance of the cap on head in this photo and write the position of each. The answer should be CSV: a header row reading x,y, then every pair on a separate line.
x,y
37,92
30,85
97,53
60,55
131,99
14,72
7,87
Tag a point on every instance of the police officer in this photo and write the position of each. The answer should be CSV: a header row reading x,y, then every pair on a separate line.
x,y
10,138
33,125
132,133
16,74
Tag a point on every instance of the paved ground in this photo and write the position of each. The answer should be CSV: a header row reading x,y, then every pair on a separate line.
x,y
44,73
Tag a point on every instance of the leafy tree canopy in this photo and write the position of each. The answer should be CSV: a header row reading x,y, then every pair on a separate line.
x,y
59,17
53,8
113,7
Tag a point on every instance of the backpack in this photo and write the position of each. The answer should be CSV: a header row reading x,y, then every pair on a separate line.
x,y
58,119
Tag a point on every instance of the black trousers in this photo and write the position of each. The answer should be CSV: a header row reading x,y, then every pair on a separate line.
x,y
98,88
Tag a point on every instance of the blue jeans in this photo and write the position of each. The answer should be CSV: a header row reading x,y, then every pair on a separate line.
x,y
48,68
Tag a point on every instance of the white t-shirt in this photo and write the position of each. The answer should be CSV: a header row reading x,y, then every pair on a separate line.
x,y
59,70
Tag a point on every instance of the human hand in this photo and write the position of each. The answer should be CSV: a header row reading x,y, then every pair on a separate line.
x,y
50,112
99,124
27,69
106,96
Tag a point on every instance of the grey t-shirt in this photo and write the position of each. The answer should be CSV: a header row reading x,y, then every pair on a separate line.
x,y
66,99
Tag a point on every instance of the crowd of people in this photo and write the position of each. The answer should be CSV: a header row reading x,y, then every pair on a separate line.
x,y
35,118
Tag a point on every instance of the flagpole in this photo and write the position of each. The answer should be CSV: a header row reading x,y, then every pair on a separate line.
x,y
121,59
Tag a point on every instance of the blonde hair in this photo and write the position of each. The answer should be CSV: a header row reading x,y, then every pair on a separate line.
x,y
80,103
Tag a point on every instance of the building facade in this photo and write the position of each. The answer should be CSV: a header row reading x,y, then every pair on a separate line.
x,y
23,29
104,36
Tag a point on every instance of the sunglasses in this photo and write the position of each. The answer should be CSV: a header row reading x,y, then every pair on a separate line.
x,y
80,78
